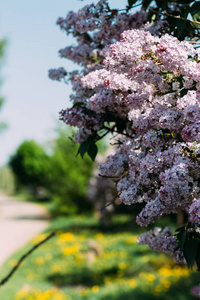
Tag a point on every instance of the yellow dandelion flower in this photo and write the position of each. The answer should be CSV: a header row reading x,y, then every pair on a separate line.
x,y
12,262
150,277
99,236
157,290
55,267
95,288
71,249
41,297
166,283
39,238
21,294
131,240
84,291
66,237
31,298
107,280
60,296
180,271
39,260
106,255
30,277
132,283
145,258
165,272
122,265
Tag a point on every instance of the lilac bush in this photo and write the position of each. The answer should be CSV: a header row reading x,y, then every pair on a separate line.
x,y
144,87
156,84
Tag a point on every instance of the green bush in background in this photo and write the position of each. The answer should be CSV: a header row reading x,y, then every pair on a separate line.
x,y
3,125
7,179
31,165
56,175
69,176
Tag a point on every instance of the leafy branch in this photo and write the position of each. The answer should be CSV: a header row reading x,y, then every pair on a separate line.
x,y
188,240
173,16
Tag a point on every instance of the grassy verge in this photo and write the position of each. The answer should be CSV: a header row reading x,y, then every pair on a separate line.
x,y
87,261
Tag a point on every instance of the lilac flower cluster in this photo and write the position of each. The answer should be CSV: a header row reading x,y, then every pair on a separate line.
x,y
150,80
94,27
57,74
157,82
165,241
195,211
148,88
195,291
158,239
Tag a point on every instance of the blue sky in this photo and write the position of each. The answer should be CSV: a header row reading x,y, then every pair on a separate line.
x,y
33,101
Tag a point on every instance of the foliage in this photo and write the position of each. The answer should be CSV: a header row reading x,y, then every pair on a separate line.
x,y
68,177
177,13
31,165
87,261
59,176
3,125
7,179
188,239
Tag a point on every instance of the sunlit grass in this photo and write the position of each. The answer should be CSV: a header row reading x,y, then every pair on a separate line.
x,y
87,261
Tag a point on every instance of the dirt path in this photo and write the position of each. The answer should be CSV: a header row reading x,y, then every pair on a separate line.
x,y
19,223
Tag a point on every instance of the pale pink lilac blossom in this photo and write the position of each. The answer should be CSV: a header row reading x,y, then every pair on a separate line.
x,y
195,291
148,86
194,211
57,74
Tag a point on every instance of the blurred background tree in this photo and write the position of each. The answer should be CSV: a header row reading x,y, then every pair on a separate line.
x,y
54,174
69,176
7,180
2,51
31,165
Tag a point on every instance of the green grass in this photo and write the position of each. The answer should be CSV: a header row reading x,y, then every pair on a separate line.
x,y
87,261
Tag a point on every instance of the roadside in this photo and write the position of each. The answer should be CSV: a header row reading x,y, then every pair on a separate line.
x,y
19,223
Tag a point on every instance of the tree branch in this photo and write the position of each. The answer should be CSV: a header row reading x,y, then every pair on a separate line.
x,y
175,17
191,42
5,279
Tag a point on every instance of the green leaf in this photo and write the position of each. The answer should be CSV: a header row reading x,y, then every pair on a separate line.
x,y
195,8
198,259
181,25
181,237
189,243
184,1
84,146
92,151
131,2
196,17
89,147
145,3
121,125
162,4
78,104
190,251
183,92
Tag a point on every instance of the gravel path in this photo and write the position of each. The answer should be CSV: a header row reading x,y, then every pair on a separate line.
x,y
19,223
